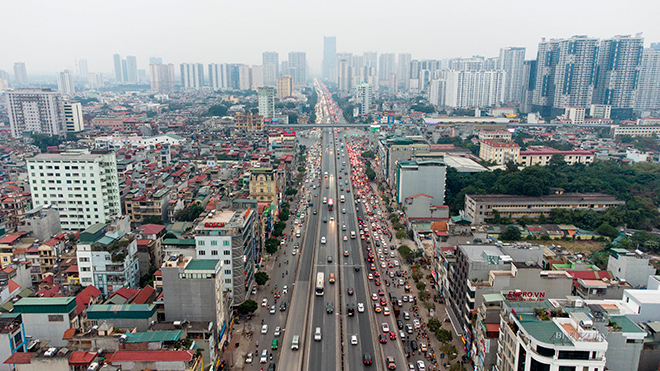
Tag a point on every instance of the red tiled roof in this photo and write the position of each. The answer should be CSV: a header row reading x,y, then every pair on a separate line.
x,y
151,228
11,238
72,269
125,293
591,275
152,356
81,358
418,195
20,358
500,144
68,334
85,296
13,286
143,296
143,242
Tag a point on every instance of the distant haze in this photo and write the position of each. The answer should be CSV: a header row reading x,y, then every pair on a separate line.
x,y
49,35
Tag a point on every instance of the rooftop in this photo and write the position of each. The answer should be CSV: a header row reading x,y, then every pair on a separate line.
x,y
154,336
202,265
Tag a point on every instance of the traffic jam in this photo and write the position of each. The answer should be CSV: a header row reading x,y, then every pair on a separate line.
x,y
383,267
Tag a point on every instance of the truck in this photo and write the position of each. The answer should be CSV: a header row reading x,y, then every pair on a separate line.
x,y
396,310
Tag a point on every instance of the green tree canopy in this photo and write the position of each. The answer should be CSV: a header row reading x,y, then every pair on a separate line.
x,y
247,307
512,233
261,278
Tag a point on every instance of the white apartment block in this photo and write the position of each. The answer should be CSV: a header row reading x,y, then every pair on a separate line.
x,y
648,88
35,110
219,76
512,61
600,111
636,130
65,82
192,76
575,114
474,88
619,60
82,185
73,118
229,236
266,96
363,98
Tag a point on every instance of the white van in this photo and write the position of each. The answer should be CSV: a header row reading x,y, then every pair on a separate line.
x,y
264,356
317,334
295,343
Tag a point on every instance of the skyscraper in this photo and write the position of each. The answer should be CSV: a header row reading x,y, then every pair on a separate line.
x,y
266,96
385,67
35,110
256,77
648,94
473,88
371,60
344,77
270,58
565,74
155,60
284,86
244,77
124,70
95,80
404,70
83,69
512,61
298,67
20,74
363,98
162,77
619,61
219,76
270,61
131,69
329,57
73,118
529,84
118,70
65,82
192,76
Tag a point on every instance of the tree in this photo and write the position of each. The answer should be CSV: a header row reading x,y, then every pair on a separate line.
x,y
247,307
291,191
421,286
443,335
371,174
423,294
190,213
405,252
457,367
261,278
272,244
400,234
152,219
434,324
450,351
512,233
607,230
216,110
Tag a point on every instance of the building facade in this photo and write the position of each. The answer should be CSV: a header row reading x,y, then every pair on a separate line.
x,y
266,96
499,151
162,77
542,156
617,77
363,96
425,177
249,121
192,76
35,110
73,118
512,61
284,86
82,185
298,67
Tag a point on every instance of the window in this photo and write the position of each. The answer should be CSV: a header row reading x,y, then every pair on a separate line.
x,y
214,243
226,252
228,280
225,243
201,252
200,243
227,271
214,252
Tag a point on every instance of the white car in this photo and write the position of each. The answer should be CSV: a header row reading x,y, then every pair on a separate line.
x,y
421,366
264,303
360,307
354,340
285,289
345,238
323,240
385,327
264,329
272,309
277,331
248,359
417,324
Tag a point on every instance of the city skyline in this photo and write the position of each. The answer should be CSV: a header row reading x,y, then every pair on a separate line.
x,y
154,38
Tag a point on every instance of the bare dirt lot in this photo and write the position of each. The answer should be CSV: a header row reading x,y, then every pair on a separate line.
x,y
585,247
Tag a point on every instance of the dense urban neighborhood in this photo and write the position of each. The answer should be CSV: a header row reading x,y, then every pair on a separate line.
x,y
461,214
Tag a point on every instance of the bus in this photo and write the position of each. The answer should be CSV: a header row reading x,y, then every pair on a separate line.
x,y
320,284
330,204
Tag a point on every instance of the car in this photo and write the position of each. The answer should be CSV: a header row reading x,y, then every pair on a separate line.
x,y
323,240
374,296
285,289
411,367
272,309
392,335
405,298
360,307
350,291
317,334
423,347
381,292
417,324
413,345
264,329
277,331
264,356
350,309
354,340
345,252
314,212
383,301
294,251
399,324
343,211
370,276
283,306
329,258
325,220
264,303
406,315
420,365
385,327
391,365
254,290
329,308
382,339
343,227
377,308
386,311
249,358
332,218
277,294
366,359
409,328
402,335
345,238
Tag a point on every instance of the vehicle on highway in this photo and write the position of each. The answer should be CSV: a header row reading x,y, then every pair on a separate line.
x,y
366,359
264,303
353,234
385,327
295,343
354,340
417,324
264,329
343,228
343,211
320,284
277,331
350,309
272,309
325,220
413,345
264,356
409,328
317,334
331,204
273,344
391,365
360,307
283,306
382,339
423,348
350,291
399,324
392,335
329,308
386,311
323,240
345,251
329,258
411,367
248,359
271,367
420,365
345,238
285,289
332,278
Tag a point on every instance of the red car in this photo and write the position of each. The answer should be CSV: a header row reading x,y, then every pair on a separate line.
x,y
392,335
382,338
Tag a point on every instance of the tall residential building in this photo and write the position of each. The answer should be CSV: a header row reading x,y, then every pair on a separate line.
x,y
437,92
124,70
131,69
344,76
83,69
329,57
256,77
363,96
475,63
162,77
371,61
271,64
65,82
617,77
284,86
95,80
82,185
229,236
118,69
244,77
404,70
73,117
266,96
298,67
474,88
648,93
219,76
20,74
385,67
512,62
528,83
155,60
35,110
192,76
565,73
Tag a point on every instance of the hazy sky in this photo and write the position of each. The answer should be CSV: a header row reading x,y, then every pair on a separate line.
x,y
49,35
